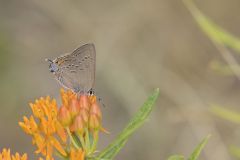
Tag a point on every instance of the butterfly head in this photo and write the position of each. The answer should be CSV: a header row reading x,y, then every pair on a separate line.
x,y
53,67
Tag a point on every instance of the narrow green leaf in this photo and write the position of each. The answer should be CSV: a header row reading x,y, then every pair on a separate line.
x,y
223,69
226,114
195,154
214,32
176,157
112,149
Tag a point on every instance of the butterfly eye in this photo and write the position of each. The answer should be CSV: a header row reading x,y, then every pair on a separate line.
x,y
53,67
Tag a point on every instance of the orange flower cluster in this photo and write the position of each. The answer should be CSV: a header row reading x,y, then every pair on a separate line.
x,y
6,155
82,117
71,130
44,133
79,113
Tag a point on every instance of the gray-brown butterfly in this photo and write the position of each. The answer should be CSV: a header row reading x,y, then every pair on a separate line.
x,y
76,70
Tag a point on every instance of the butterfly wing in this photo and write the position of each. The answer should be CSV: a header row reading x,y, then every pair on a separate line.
x,y
77,69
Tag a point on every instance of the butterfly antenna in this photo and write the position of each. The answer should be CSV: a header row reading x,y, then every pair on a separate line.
x,y
101,102
48,60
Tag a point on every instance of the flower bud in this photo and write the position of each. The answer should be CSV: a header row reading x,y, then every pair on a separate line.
x,y
74,107
95,109
85,115
84,102
92,99
78,125
64,116
94,122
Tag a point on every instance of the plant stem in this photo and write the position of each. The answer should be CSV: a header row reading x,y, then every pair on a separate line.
x,y
82,141
75,144
95,140
87,140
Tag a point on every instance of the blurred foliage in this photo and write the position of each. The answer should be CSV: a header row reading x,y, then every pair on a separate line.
x,y
195,154
234,150
226,114
213,31
231,116
223,69
219,37
223,38
176,157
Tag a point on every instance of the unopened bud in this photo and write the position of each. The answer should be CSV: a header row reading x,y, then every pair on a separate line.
x,y
84,102
94,122
74,107
95,109
78,125
64,116
84,114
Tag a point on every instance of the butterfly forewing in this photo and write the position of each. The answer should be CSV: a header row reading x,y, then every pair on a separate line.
x,y
77,69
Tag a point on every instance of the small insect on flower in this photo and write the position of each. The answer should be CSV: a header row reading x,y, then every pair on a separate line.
x,y
76,70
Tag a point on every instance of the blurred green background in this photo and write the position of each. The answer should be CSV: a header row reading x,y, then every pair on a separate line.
x,y
140,45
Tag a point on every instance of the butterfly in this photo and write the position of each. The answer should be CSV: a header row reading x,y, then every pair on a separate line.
x,y
76,70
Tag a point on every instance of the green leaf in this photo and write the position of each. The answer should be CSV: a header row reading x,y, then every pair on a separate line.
x,y
195,154
176,157
214,32
226,114
137,121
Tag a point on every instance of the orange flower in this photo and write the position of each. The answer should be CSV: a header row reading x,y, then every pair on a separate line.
x,y
6,155
77,154
44,133
67,97
29,125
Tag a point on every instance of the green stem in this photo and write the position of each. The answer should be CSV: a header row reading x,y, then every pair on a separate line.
x,y
87,140
82,141
95,140
61,156
75,144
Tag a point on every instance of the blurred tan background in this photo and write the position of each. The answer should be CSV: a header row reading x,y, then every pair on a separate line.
x,y
141,45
